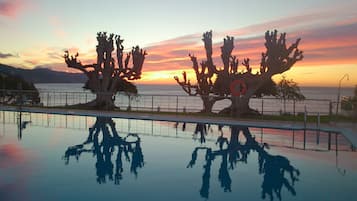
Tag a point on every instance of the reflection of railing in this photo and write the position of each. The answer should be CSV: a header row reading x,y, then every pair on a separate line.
x,y
295,139
173,103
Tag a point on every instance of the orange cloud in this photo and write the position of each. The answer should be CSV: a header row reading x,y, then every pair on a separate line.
x,y
328,41
326,49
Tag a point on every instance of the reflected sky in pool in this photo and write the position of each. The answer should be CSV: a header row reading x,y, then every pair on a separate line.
x,y
58,157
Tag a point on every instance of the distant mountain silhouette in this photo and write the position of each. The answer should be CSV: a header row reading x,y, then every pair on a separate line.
x,y
43,75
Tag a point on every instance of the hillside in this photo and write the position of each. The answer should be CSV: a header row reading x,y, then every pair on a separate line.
x,y
43,75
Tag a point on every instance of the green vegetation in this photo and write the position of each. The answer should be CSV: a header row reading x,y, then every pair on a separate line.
x,y
288,90
43,75
350,103
12,83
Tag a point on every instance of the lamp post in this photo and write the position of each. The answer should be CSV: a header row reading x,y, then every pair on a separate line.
x,y
339,91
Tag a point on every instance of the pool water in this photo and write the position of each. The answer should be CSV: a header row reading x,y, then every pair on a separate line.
x,y
58,157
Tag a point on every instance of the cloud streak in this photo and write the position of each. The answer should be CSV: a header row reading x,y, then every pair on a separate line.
x,y
6,55
327,40
11,8
334,43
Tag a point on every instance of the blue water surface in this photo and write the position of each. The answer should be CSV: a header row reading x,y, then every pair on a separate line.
x,y
57,157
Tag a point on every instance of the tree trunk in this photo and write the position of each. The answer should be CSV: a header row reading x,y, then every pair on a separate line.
x,y
239,107
104,101
207,104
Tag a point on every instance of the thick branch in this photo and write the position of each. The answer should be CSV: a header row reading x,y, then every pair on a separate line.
x,y
134,72
226,52
278,58
72,62
207,39
190,89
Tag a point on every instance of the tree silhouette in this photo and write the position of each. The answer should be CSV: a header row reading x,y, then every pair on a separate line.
x,y
277,59
104,78
288,89
204,75
232,151
239,86
104,150
14,90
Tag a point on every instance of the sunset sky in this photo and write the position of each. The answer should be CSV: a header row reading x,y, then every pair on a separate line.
x,y
34,33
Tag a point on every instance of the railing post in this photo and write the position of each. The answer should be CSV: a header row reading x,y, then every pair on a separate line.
x,y
129,106
66,100
48,98
293,138
318,129
294,109
305,119
262,108
152,103
329,141
176,104
54,98
336,143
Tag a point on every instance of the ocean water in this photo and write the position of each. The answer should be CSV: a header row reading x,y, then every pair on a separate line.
x,y
326,93
60,157
172,98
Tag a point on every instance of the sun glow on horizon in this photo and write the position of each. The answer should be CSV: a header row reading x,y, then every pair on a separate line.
x,y
164,76
303,75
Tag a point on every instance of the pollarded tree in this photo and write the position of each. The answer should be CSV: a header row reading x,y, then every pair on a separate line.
x,y
105,79
277,59
204,75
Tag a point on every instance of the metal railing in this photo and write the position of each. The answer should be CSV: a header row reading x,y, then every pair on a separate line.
x,y
296,139
166,103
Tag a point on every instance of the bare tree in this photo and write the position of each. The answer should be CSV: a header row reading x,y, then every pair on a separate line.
x,y
277,59
105,79
204,75
239,86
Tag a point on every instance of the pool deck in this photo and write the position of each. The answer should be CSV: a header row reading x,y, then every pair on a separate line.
x,y
349,130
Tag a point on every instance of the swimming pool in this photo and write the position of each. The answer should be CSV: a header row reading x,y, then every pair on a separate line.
x,y
63,157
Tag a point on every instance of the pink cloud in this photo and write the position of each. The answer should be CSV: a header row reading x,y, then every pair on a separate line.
x,y
326,40
323,43
11,8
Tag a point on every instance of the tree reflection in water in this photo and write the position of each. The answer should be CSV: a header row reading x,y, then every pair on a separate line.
x,y
233,151
105,146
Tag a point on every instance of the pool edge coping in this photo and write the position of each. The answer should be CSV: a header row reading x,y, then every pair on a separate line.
x,y
349,133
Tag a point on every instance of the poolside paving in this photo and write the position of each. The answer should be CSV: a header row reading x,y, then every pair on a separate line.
x,y
349,130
